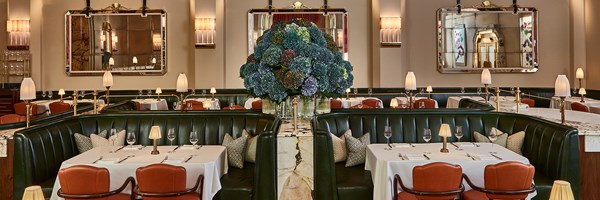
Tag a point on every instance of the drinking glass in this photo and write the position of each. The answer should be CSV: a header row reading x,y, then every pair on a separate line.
x,y
193,92
50,94
478,90
194,138
421,104
141,92
493,137
388,134
130,139
459,134
462,89
189,106
171,135
427,135
43,93
355,91
203,92
149,93
82,93
112,133
370,91
231,106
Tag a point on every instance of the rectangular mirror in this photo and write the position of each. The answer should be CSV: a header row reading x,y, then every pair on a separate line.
x,y
487,37
136,43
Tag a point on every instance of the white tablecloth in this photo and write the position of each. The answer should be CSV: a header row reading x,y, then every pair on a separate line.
x,y
209,160
214,104
152,104
404,100
586,123
507,103
593,104
347,103
384,164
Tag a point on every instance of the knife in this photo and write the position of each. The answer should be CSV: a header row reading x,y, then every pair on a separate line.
x,y
120,161
188,159
115,151
495,156
174,149
426,156
96,161
452,143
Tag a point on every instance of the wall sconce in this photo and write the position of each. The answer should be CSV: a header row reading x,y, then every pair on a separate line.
x,y
156,42
18,34
390,31
205,32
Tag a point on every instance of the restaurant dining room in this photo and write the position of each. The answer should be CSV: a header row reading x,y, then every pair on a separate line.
x,y
299,100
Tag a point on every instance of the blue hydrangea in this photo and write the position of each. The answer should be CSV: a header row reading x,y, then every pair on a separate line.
x,y
291,40
316,36
248,69
260,49
301,64
319,69
277,92
271,55
323,82
309,87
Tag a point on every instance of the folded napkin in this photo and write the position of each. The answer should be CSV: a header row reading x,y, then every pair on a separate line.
x,y
400,145
133,147
109,160
521,106
481,156
464,144
187,147
412,156
175,159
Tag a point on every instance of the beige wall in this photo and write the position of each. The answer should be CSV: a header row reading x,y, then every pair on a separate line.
x,y
3,34
592,20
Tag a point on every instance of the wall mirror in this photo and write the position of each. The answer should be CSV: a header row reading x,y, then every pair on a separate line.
x,y
487,36
127,42
334,23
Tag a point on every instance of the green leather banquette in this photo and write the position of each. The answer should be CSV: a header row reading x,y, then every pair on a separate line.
x,y
40,150
552,148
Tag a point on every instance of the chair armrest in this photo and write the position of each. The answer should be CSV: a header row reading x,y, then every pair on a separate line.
x,y
398,180
101,195
199,183
499,192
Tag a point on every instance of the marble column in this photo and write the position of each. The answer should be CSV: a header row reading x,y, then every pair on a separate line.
x,y
295,162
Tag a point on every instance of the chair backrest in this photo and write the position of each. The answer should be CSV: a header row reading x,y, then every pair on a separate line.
x,y
84,179
360,106
508,176
429,103
437,177
257,104
529,101
579,107
234,107
21,107
373,103
11,118
335,104
59,107
161,178
193,105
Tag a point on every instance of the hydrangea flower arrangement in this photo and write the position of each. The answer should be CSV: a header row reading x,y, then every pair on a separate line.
x,y
296,58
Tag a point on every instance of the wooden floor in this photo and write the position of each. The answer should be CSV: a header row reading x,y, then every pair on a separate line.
x,y
6,173
590,172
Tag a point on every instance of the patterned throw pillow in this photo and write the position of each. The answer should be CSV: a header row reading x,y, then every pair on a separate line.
x,y
99,141
235,150
501,140
357,149
83,142
515,142
250,147
340,153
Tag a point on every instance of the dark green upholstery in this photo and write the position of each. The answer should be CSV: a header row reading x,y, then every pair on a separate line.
x,y
552,148
40,150
474,104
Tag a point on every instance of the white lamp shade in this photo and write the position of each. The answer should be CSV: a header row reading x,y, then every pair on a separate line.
x,y
158,91
582,91
153,61
348,90
429,88
562,86
135,60
410,83
33,193
579,74
213,90
61,91
107,79
111,61
182,83
561,190
27,89
445,131
394,103
486,77
154,133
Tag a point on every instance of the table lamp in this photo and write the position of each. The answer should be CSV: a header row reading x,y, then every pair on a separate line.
x,y
33,192
61,92
158,92
445,132
562,90
582,92
486,80
154,135
394,103
579,75
107,82
561,190
182,86
212,92
410,84
135,61
348,94
27,93
429,90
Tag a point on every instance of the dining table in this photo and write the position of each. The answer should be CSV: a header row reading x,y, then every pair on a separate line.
x,y
249,101
349,102
593,104
208,103
404,101
123,161
507,103
152,104
385,162
44,105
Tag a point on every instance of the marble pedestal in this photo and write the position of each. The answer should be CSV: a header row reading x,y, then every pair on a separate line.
x,y
295,162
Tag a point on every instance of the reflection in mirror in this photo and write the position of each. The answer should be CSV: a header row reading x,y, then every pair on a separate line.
x,y
487,37
124,41
334,23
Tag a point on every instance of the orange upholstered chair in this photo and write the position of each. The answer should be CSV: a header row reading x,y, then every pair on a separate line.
x,y
234,107
335,104
507,180
193,105
12,118
87,182
429,103
529,101
373,103
579,107
20,109
166,182
257,105
438,180
59,107
360,106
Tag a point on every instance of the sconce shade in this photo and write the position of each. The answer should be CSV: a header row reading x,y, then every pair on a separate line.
x,y
391,23
582,91
205,24
561,190
107,79
154,133
213,90
27,89
61,91
158,91
390,30
33,193
486,77
429,88
579,74
445,131
205,31
17,26
562,86
410,83
182,83
153,61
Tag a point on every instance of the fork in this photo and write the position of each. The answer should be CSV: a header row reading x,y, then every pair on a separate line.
x,y
166,157
120,161
96,161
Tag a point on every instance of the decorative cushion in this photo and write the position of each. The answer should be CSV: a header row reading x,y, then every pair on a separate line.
x,y
501,140
103,134
250,147
83,142
357,149
99,141
340,153
235,150
515,142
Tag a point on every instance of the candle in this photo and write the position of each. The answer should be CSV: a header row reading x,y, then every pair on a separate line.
x,y
135,61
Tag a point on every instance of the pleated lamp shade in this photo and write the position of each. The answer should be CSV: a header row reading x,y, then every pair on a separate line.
x,y
182,83
579,74
445,131
61,92
429,88
154,133
561,190
394,103
158,91
582,91
486,77
107,79
27,89
562,87
33,193
410,83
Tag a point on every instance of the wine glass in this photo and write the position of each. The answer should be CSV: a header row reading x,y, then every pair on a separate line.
x,y
478,90
493,137
388,134
43,93
171,135
355,91
194,138
113,132
50,94
370,91
459,134
427,135
82,93
421,104
189,106
149,93
140,92
193,92
462,89
203,92
130,139
231,106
